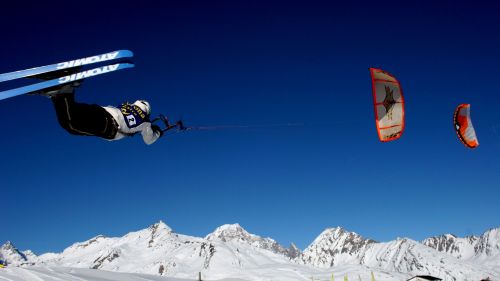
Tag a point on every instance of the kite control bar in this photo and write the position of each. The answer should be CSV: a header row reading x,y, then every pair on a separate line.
x,y
179,125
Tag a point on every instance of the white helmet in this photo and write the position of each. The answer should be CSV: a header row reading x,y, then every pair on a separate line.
x,y
144,106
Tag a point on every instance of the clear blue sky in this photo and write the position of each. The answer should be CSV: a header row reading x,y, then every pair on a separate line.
x,y
254,62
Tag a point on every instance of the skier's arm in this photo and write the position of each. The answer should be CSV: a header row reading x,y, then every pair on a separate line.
x,y
151,133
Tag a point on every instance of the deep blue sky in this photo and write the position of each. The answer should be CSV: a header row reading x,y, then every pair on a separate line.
x,y
254,62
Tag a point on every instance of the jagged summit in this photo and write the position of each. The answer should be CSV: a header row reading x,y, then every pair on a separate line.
x,y
339,238
8,247
293,251
160,226
334,245
469,247
228,232
453,245
236,234
10,253
331,232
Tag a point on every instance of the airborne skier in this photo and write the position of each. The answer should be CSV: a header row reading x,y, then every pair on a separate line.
x,y
108,122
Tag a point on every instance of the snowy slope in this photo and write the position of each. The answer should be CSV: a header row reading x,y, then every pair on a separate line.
x,y
77,274
289,273
406,255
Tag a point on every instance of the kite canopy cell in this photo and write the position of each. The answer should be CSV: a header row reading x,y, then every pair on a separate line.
x,y
389,105
463,126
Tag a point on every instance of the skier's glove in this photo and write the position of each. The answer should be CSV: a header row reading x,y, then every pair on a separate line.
x,y
156,129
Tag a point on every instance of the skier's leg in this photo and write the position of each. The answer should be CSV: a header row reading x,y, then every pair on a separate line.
x,y
83,119
64,104
94,120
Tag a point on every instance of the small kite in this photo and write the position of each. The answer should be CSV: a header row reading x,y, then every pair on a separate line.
x,y
389,105
463,126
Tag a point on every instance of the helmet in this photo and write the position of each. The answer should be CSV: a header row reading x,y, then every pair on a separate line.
x,y
144,106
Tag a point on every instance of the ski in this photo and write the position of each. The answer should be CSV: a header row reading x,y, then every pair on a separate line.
x,y
65,65
64,80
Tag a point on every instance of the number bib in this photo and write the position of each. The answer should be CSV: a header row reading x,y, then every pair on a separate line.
x,y
133,115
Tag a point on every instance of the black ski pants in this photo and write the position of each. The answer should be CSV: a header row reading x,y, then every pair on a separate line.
x,y
84,119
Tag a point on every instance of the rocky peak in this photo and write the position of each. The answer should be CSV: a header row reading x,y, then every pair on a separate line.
x,y
160,227
293,251
9,249
444,243
158,231
236,233
341,240
488,244
332,243
229,232
12,255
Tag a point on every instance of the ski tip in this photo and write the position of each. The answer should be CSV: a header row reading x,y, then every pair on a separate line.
x,y
127,65
126,53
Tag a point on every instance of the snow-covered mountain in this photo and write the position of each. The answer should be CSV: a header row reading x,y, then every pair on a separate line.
x,y
461,248
484,249
232,252
154,250
470,247
334,246
235,233
158,250
13,256
337,246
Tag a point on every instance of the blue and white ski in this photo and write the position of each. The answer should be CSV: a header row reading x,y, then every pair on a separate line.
x,y
64,80
66,65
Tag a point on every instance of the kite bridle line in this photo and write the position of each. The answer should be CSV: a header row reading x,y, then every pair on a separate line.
x,y
179,125
219,127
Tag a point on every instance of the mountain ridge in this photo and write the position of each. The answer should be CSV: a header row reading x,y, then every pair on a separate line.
x,y
232,251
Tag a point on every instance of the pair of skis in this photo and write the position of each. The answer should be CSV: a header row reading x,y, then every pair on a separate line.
x,y
69,71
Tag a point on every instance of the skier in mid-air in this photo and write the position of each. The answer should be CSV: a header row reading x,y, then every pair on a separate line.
x,y
108,122
59,81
